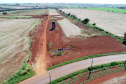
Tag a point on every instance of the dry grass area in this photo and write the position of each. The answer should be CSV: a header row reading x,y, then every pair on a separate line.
x,y
53,12
14,44
31,12
117,80
69,28
112,22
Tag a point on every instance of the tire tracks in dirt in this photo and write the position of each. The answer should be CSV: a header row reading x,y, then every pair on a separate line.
x,y
40,64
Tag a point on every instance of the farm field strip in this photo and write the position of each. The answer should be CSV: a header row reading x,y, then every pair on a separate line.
x,y
117,80
25,12
53,12
109,10
31,12
14,44
14,33
109,21
9,12
69,28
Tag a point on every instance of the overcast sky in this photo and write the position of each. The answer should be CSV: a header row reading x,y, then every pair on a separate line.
x,y
66,1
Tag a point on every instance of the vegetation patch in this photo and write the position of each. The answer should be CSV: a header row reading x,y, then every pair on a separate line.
x,y
110,10
52,18
24,72
97,72
83,58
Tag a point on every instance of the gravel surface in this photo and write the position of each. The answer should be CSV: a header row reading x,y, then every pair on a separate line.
x,y
117,80
73,67
69,28
112,22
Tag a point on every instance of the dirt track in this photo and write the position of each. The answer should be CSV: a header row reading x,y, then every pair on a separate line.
x,y
70,68
40,65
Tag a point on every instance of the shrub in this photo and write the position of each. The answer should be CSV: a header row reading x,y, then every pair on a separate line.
x,y
114,63
68,14
86,20
4,13
124,40
94,24
73,16
24,72
59,53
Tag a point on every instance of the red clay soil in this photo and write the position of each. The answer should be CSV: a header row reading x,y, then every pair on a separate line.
x,y
37,33
78,47
37,16
107,77
40,63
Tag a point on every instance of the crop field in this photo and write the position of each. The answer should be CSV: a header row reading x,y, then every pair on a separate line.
x,y
118,80
14,44
3,6
70,29
53,12
109,21
15,17
110,10
31,12
9,12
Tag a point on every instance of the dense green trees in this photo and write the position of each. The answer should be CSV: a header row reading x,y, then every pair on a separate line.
x,y
124,40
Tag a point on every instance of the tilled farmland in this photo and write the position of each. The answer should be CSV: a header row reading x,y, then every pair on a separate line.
x,y
109,21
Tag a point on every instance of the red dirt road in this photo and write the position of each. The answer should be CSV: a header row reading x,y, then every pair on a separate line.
x,y
40,65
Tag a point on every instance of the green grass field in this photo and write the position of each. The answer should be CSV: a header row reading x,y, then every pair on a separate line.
x,y
109,9
9,12
3,6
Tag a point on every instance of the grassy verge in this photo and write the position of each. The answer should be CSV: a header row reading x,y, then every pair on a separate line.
x,y
83,58
36,25
24,72
96,68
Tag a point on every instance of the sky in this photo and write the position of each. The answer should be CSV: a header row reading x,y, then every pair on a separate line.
x,y
66,1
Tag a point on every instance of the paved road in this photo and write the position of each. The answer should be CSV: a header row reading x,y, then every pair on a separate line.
x,y
73,67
